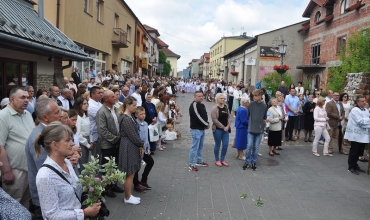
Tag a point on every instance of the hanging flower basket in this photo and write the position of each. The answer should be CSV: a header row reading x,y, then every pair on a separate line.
x,y
281,69
234,73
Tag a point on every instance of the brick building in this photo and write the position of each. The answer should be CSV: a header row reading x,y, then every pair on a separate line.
x,y
325,34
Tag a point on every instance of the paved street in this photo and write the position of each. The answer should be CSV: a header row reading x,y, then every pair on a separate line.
x,y
294,185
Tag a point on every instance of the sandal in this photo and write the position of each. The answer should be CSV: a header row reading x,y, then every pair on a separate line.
x,y
276,153
316,154
160,148
329,155
271,154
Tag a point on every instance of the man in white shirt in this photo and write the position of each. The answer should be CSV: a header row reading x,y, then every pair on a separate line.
x,y
96,94
63,98
137,95
329,97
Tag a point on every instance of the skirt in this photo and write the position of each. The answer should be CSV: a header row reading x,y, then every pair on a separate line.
x,y
299,122
235,105
274,138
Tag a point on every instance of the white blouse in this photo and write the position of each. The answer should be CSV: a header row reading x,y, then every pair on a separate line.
x,y
83,130
57,197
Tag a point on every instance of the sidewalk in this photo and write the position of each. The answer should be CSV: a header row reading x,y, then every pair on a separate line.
x,y
294,185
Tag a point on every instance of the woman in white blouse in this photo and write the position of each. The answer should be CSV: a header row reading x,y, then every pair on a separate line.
x,y
236,100
320,126
347,108
59,199
83,130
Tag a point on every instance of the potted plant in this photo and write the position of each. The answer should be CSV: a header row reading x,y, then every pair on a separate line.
x,y
282,68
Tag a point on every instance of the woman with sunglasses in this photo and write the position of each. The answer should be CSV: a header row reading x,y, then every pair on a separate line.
x,y
347,108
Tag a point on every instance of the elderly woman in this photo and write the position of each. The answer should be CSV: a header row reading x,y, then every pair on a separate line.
x,y
241,126
275,117
347,108
59,197
320,127
31,99
308,109
221,128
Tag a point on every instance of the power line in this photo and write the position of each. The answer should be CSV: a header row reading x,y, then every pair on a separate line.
x,y
184,39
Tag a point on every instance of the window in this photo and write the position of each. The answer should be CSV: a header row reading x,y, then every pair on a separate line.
x,y
317,16
128,33
316,54
100,10
341,43
88,6
116,23
221,48
343,6
138,38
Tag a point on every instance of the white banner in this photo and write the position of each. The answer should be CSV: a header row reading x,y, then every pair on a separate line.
x,y
250,62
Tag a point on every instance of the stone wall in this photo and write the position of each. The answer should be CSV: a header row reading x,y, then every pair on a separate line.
x,y
43,81
356,84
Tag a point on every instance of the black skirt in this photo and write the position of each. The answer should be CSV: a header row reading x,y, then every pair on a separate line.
x,y
274,138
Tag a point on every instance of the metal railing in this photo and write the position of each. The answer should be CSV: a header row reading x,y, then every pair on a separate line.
x,y
119,37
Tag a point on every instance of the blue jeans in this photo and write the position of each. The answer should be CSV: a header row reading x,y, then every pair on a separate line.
x,y
254,141
196,146
221,135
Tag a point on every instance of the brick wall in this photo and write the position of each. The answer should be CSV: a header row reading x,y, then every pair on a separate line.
x,y
327,33
43,81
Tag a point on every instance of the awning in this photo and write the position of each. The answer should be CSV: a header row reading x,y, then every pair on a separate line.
x,y
311,67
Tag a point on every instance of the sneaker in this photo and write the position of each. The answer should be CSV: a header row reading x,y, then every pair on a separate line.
x,y
218,163
137,198
246,166
259,154
139,188
143,163
193,168
202,164
145,185
321,142
131,200
254,168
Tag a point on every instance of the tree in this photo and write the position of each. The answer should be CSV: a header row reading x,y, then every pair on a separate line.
x,y
273,80
355,58
166,65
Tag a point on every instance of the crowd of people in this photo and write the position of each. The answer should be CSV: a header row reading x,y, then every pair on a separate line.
x,y
47,138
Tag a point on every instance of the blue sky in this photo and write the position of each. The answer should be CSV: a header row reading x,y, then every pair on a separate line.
x,y
204,22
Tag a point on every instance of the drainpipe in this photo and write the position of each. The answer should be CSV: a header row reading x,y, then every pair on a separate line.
x,y
41,9
244,75
68,65
58,13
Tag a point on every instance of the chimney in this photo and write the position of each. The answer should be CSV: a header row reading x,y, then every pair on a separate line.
x,y
41,9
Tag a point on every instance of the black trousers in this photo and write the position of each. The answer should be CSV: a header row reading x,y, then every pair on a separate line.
x,y
112,152
230,103
290,127
340,138
148,167
356,150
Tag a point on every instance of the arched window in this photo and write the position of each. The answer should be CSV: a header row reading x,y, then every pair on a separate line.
x,y
343,6
317,16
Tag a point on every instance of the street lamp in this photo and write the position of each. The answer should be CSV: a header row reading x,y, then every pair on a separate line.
x,y
282,50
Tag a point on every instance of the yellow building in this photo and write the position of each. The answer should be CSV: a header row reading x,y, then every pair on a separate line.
x,y
171,56
222,47
104,29
141,51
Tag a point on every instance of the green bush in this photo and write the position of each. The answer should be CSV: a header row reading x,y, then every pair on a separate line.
x,y
273,80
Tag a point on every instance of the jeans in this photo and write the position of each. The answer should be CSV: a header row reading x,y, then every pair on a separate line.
x,y
196,146
254,141
220,135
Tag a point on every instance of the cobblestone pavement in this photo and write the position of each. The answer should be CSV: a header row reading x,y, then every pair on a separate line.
x,y
294,185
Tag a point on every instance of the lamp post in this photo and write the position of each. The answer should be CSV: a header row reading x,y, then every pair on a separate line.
x,y
282,50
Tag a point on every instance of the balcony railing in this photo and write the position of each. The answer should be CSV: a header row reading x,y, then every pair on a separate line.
x,y
119,38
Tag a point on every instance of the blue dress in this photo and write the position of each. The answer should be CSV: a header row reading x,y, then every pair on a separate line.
x,y
241,125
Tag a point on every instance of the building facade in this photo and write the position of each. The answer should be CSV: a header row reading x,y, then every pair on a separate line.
x,y
171,56
153,49
32,49
204,70
104,29
325,35
222,47
256,58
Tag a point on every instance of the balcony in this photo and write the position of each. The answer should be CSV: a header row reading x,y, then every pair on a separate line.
x,y
119,38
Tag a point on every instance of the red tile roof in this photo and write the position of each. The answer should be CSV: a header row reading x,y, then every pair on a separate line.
x,y
161,43
151,30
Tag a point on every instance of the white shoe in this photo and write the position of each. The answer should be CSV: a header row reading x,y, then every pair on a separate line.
x,y
131,200
137,198
259,154
143,163
321,142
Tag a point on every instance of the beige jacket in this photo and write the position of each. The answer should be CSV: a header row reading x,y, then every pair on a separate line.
x,y
275,122
216,123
